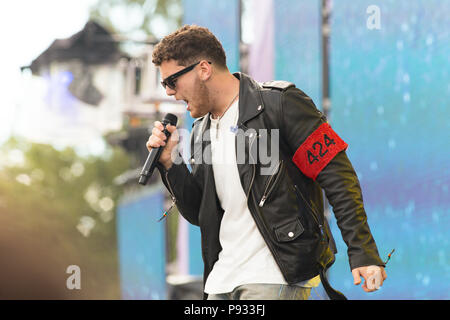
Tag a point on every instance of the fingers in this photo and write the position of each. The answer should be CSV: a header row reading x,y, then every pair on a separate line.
x,y
373,277
383,272
160,127
356,276
364,287
171,128
154,142
357,273
158,137
159,134
374,281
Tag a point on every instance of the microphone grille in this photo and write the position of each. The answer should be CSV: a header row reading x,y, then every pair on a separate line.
x,y
171,119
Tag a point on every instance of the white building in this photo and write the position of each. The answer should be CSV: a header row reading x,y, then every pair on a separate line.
x,y
84,86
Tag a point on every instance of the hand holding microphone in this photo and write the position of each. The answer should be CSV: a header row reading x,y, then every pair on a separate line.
x,y
160,145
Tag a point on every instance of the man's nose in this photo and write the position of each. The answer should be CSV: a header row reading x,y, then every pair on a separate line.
x,y
170,92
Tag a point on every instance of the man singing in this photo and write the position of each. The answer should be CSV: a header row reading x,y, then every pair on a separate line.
x,y
263,230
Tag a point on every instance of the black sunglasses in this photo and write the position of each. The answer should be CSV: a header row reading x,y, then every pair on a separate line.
x,y
170,80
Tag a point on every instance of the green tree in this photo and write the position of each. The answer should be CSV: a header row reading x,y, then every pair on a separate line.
x,y
67,203
138,19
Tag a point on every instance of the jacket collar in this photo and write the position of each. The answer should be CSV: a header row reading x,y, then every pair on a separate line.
x,y
250,100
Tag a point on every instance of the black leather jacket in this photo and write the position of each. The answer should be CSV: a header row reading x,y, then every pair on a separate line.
x,y
287,206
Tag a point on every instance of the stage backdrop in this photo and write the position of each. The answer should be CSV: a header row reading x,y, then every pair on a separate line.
x,y
390,94
141,244
297,45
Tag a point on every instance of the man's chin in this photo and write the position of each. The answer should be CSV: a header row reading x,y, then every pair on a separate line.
x,y
195,114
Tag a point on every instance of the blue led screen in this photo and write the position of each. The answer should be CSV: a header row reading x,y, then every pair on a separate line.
x,y
390,93
297,45
141,243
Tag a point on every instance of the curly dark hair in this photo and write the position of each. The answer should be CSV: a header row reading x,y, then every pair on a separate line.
x,y
188,45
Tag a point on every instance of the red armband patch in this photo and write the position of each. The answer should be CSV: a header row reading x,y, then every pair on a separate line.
x,y
318,150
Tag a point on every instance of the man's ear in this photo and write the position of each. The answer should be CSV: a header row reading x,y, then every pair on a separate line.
x,y
205,70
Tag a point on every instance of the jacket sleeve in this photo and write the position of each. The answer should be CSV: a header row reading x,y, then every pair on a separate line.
x,y
320,154
184,189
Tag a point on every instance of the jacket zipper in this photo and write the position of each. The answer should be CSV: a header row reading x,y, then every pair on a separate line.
x,y
260,224
254,166
314,213
262,227
174,200
267,190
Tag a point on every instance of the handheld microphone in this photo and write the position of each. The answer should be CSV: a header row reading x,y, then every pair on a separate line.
x,y
155,153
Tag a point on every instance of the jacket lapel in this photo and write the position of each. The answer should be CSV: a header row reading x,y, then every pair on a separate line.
x,y
250,106
250,100
207,155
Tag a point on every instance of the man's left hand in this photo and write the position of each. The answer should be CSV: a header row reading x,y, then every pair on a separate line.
x,y
374,277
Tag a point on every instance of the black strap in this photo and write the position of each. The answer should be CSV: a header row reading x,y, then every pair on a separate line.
x,y
331,292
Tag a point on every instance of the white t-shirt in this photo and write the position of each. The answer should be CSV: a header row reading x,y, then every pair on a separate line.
x,y
245,257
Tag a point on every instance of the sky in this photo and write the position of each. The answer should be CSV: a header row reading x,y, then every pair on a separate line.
x,y
27,28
